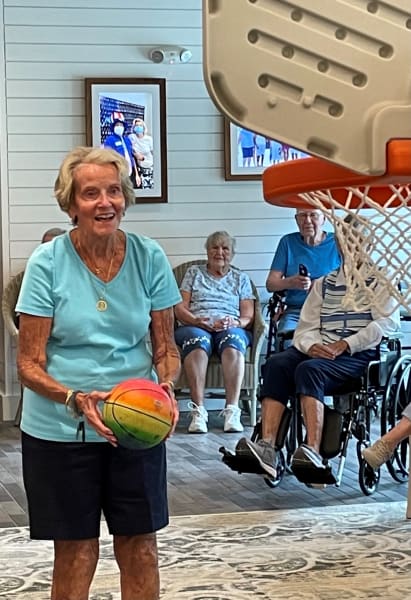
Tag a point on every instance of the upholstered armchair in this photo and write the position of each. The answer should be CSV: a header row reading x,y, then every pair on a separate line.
x,y
9,301
214,379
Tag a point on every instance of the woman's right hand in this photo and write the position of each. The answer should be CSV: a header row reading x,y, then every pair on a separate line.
x,y
204,323
88,404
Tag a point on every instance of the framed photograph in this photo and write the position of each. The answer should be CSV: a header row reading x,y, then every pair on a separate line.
x,y
129,116
247,154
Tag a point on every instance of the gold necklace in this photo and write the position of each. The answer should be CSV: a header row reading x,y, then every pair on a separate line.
x,y
101,303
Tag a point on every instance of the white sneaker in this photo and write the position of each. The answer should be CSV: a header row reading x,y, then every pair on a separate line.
x,y
232,423
199,418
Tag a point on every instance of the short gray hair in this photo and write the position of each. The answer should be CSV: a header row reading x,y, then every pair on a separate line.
x,y
64,185
220,236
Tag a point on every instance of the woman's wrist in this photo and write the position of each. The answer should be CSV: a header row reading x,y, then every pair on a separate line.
x,y
71,404
170,384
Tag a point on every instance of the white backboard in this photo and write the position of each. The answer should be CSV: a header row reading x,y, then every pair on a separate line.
x,y
329,77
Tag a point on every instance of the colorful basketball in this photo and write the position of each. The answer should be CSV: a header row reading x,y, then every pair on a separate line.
x,y
139,413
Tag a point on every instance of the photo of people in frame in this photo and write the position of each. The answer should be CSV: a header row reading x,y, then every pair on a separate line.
x,y
123,128
128,115
255,150
247,153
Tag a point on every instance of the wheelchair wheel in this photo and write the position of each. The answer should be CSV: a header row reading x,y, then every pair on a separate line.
x,y
367,477
395,399
280,468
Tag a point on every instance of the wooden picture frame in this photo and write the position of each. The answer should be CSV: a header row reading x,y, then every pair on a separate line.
x,y
111,101
241,163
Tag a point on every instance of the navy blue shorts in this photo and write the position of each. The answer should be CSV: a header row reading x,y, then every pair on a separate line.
x,y
248,152
190,338
292,373
69,486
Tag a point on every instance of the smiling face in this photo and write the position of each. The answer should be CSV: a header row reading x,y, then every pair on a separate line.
x,y
98,199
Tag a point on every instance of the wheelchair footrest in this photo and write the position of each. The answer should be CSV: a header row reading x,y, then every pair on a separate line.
x,y
241,464
312,474
310,467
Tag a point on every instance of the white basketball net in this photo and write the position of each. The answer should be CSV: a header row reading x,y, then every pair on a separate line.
x,y
376,244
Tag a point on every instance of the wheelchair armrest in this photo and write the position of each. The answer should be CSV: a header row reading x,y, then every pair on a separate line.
x,y
389,351
390,343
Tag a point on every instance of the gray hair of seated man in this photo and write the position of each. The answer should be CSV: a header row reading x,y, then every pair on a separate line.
x,y
218,237
52,233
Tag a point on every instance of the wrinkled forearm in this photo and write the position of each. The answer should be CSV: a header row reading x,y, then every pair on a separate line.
x,y
31,358
184,315
167,364
166,356
33,376
247,313
276,283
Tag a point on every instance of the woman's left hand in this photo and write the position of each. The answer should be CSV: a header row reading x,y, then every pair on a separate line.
x,y
168,386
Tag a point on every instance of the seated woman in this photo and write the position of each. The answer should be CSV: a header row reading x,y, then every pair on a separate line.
x,y
216,312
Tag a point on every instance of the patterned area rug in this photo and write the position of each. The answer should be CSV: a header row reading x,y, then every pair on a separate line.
x,y
336,553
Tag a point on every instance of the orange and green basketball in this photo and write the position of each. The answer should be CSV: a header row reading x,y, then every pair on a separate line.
x,y
139,413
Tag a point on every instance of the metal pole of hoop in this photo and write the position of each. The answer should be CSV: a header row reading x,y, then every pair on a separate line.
x,y
371,216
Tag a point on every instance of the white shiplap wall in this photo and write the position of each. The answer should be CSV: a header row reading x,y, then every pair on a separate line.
x,y
51,46
50,49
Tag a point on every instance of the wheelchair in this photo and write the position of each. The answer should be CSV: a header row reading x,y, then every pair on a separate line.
x,y
383,391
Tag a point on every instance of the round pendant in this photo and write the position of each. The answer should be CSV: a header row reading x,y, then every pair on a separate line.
x,y
101,305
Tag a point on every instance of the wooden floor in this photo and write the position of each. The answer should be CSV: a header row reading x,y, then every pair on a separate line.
x,y
199,483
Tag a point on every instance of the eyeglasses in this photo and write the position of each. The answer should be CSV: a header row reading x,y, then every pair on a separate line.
x,y
313,216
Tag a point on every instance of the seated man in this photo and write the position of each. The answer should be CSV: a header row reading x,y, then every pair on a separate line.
x,y
311,247
331,345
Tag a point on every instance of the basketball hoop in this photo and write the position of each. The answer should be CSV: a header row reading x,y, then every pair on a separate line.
x,y
371,217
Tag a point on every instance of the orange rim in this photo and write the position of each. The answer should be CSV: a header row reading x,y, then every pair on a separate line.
x,y
282,183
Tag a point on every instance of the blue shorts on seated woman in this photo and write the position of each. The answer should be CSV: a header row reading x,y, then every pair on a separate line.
x,y
190,338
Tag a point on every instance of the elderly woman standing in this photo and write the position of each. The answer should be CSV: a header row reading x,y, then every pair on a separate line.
x,y
216,312
88,300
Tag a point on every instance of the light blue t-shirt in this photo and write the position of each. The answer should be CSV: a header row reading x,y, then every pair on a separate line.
x,y
246,138
216,296
87,349
260,143
319,260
